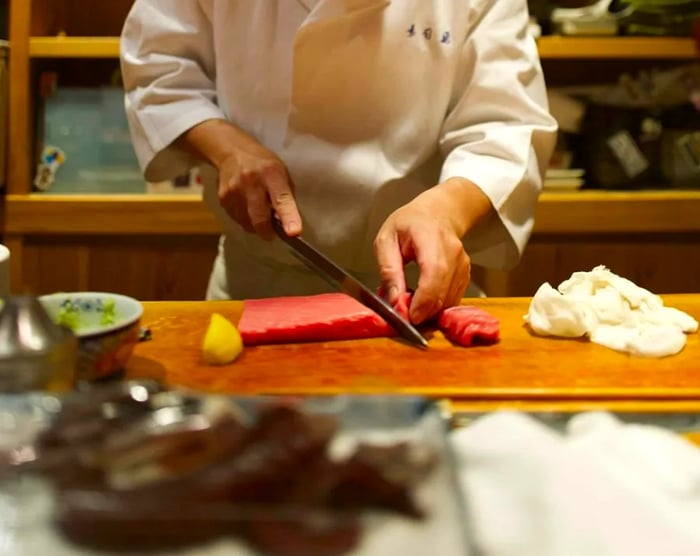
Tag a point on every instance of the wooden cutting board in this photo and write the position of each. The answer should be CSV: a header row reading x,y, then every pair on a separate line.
x,y
521,366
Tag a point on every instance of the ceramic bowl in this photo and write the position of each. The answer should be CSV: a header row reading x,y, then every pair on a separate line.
x,y
106,325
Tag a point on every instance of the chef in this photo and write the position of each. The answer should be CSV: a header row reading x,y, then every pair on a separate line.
x,y
406,139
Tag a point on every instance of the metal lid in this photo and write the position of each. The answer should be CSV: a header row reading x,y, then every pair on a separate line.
x,y
26,328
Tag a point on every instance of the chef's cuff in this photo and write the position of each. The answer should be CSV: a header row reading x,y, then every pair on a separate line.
x,y
513,190
156,130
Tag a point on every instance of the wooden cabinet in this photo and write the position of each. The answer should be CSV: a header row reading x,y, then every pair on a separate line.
x,y
162,247
152,247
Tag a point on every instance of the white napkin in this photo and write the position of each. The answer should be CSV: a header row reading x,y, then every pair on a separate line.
x,y
603,488
611,311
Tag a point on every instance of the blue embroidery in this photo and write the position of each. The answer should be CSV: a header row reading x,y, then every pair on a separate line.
x,y
445,36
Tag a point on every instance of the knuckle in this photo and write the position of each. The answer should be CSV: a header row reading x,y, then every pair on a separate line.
x,y
280,198
454,244
466,264
440,268
248,177
272,168
382,239
227,190
387,270
459,257
257,208
228,198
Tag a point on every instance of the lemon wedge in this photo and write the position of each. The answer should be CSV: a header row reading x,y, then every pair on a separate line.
x,y
222,341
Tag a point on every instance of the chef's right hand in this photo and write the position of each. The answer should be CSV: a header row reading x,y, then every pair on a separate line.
x,y
252,183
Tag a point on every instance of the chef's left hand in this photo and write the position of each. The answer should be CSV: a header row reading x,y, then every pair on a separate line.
x,y
429,230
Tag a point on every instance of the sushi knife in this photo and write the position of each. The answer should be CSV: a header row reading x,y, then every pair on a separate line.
x,y
341,279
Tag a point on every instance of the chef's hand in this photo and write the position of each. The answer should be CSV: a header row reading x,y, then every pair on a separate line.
x,y
253,181
429,230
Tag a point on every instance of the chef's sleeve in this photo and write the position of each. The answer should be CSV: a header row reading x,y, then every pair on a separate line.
x,y
167,63
499,133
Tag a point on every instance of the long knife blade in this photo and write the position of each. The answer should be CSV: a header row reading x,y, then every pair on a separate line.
x,y
341,279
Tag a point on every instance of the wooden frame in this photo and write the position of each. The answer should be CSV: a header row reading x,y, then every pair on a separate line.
x,y
550,47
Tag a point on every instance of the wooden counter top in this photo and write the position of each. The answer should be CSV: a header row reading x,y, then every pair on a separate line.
x,y
520,368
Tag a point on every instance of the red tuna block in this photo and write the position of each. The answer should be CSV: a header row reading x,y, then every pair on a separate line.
x,y
313,318
467,325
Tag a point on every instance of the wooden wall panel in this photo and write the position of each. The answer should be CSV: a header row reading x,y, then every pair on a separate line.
x,y
148,268
54,267
177,267
660,263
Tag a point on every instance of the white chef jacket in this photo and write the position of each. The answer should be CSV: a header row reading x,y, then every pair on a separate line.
x,y
367,102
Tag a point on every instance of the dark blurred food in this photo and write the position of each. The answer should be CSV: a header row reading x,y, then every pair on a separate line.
x,y
138,467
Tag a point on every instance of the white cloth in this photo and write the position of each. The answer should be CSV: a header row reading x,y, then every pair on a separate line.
x,y
611,311
368,103
600,488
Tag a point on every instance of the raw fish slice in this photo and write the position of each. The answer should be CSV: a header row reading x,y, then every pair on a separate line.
x,y
467,325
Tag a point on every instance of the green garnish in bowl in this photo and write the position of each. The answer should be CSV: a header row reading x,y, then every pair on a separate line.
x,y
68,316
108,312
76,314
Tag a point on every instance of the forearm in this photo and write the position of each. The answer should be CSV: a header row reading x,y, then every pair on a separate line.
x,y
215,140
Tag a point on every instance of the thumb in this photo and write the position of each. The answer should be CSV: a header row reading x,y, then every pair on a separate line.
x,y
282,201
390,261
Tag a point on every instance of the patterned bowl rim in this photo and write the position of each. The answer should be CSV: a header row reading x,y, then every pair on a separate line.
x,y
135,310
112,331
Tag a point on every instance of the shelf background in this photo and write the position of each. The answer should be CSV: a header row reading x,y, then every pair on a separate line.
x,y
162,247
74,47
648,48
550,47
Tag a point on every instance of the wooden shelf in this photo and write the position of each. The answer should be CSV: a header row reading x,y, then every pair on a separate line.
x,y
38,214
580,212
74,47
550,47
597,211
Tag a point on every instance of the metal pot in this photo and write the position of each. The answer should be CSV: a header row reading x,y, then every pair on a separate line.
x,y
35,353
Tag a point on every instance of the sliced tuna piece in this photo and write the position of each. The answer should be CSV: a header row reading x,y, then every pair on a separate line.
x,y
467,325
